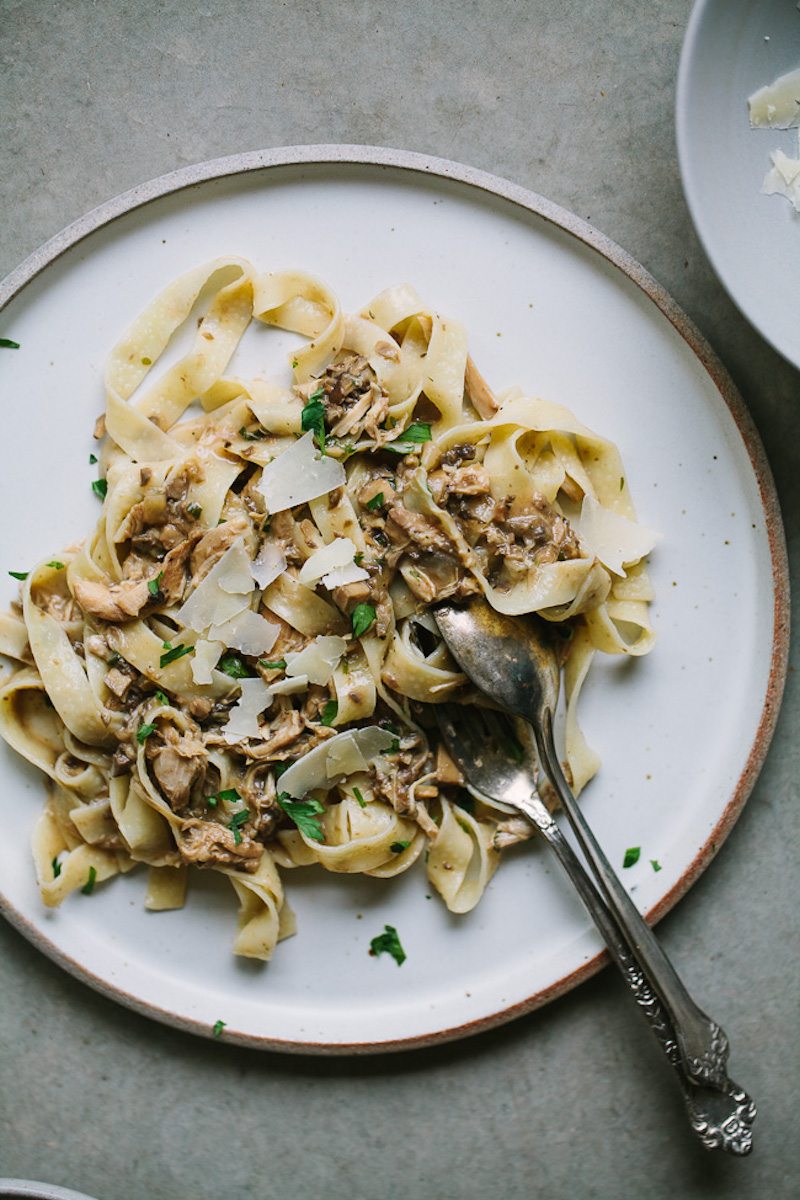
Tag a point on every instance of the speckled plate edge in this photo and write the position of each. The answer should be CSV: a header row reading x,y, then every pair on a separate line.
x,y
383,157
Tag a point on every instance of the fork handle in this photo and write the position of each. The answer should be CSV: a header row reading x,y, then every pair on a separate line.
x,y
702,1044
721,1116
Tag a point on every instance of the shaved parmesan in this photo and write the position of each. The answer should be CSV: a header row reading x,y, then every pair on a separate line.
x,y
338,553
287,687
243,719
783,178
299,475
318,660
222,594
777,106
612,538
205,658
310,772
247,632
342,575
269,564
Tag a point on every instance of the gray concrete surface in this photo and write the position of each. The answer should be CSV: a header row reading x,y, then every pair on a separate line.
x,y
575,100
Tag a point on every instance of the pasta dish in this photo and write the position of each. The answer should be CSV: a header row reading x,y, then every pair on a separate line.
x,y
236,670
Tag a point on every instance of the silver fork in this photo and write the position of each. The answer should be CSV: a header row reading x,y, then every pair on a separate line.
x,y
481,742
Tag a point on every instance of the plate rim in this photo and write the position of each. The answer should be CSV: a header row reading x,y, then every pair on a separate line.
x,y
703,226
252,161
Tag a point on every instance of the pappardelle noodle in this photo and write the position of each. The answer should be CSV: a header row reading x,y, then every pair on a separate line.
x,y
235,671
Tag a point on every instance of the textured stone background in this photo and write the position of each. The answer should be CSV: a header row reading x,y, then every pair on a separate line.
x,y
574,100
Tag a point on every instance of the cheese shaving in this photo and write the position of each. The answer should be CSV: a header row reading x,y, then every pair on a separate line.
x,y
247,632
222,594
205,658
318,660
269,564
310,772
243,718
612,538
777,106
338,553
287,687
299,475
342,575
783,178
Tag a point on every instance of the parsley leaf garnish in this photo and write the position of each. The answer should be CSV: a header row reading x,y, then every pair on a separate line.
x,y
417,432
399,847
162,698
305,814
56,868
278,665
92,459
329,712
235,666
100,487
280,768
632,855
238,818
313,417
143,733
154,585
88,887
218,1028
173,653
56,565
9,344
19,575
388,943
194,509
252,435
375,502
359,797
655,864
362,617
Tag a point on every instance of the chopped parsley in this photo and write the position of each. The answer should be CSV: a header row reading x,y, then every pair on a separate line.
x,y
8,344
234,665
194,509
358,558
388,943
173,653
655,864
394,747
56,868
239,818
399,847
375,502
305,814
114,658
295,364
56,565
280,768
100,487
154,585
329,711
143,733
362,617
20,575
92,459
313,417
218,1028
88,887
162,698
278,665
632,855
417,432
359,797
252,435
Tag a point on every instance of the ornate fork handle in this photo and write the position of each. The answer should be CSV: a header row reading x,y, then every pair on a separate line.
x,y
702,1045
720,1113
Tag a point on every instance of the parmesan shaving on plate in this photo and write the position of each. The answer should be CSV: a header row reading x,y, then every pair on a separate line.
x,y
299,475
777,106
783,178
318,660
612,538
223,593
268,564
205,658
243,719
338,553
311,772
247,632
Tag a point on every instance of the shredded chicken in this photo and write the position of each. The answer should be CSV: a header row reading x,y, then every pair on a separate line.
x,y
511,831
354,401
178,765
209,844
212,545
109,601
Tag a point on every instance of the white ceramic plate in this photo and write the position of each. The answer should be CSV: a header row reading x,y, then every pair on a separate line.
x,y
550,304
733,47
